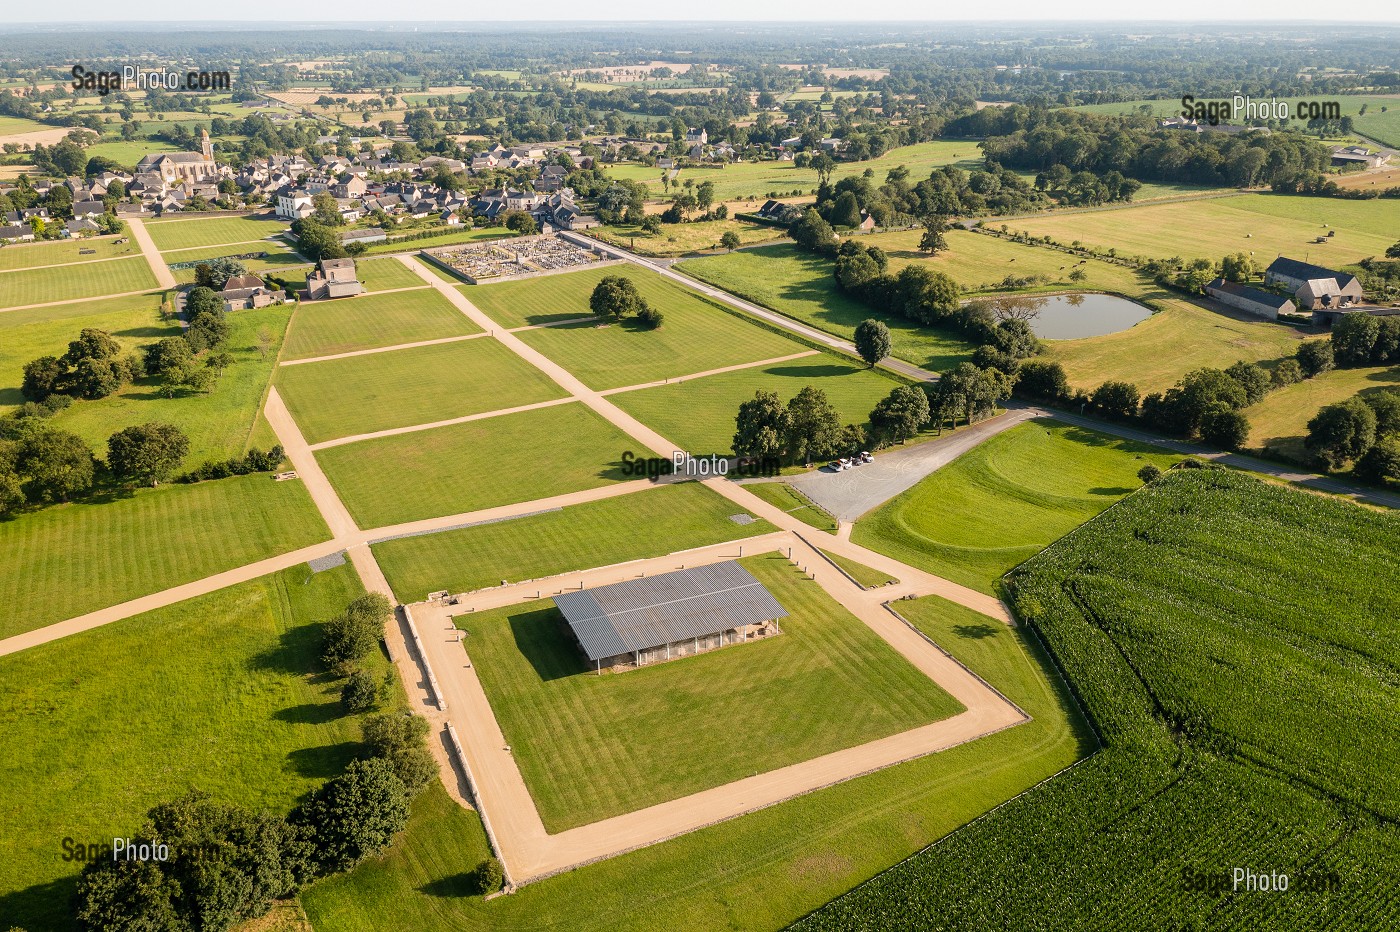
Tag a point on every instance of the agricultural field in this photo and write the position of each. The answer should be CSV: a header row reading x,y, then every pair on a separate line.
x,y
699,413
1006,499
219,692
678,239
676,517
128,152
1279,422
67,560
63,252
591,747
66,282
324,328
177,234
800,285
1265,225
401,388
1381,121
1243,700
12,126
772,866
790,500
475,465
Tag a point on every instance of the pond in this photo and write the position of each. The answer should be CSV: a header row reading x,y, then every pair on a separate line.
x,y
1072,316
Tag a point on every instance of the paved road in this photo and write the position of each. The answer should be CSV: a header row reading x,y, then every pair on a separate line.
x,y
159,268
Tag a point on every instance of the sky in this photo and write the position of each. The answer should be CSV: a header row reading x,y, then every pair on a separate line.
x,y
1261,12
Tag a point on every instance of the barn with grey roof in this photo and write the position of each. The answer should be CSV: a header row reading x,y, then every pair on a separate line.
x,y
645,621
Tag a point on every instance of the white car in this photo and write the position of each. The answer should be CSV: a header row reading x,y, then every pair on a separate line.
x,y
865,457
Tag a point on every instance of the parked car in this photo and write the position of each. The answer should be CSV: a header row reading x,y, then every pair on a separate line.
x,y
835,466
865,457
846,462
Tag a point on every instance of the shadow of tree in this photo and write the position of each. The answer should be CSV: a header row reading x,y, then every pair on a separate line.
x,y
976,632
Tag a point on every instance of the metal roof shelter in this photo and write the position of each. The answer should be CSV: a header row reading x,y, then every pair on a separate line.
x,y
640,614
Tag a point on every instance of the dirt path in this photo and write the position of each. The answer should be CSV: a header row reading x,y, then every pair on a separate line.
x,y
700,375
332,509
164,278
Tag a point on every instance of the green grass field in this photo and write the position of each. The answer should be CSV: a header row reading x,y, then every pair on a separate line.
x,y
66,560
677,239
800,285
26,335
768,868
476,465
1279,422
279,260
781,495
387,274
63,283
36,255
128,152
1248,718
219,693
676,517
1266,225
1006,499
10,126
449,237
590,747
220,423
697,335
179,234
699,414
866,576
401,388
323,328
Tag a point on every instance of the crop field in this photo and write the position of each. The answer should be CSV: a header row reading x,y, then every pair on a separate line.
x,y
179,234
85,556
1244,702
323,328
781,495
772,866
681,238
676,517
1279,422
1004,500
1266,225
215,693
10,126
219,423
1381,121
62,283
699,414
36,255
476,465
800,285
590,747
26,335
401,388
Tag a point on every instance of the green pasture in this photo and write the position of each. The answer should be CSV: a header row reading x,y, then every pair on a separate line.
x,y
324,328
177,234
63,252
66,282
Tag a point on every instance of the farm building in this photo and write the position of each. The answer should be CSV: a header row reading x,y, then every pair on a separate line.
x,y
1312,285
646,621
1327,316
1249,300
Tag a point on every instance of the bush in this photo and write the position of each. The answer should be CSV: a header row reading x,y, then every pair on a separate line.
x,y
360,693
1381,463
1043,380
1315,357
400,740
1117,400
354,816
1287,372
1225,429
650,317
1149,473
488,876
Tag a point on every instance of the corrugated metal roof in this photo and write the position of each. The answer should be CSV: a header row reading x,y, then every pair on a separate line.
x,y
643,613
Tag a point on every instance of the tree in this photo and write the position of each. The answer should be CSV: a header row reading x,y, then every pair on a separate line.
x,y
813,426
488,876
169,354
360,692
901,414
1386,405
923,295
43,377
1315,357
317,241
58,464
1255,380
147,453
845,212
201,299
1150,473
1354,339
1117,400
400,739
1239,267
1286,372
730,240
354,633
933,241
1342,432
616,296
1180,409
92,344
1043,380
98,378
520,222
356,815
872,339
207,330
1381,463
760,426
1225,429
813,233
215,273
325,210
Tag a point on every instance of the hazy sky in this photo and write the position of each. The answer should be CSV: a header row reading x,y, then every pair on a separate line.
x,y
1262,12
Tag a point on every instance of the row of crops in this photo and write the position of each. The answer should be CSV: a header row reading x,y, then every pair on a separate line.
x,y
1235,645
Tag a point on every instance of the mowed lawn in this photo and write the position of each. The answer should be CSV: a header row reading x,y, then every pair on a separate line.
x,y
449,237
67,560
219,693
697,335
1178,338
698,414
800,285
27,335
781,495
675,517
680,238
386,274
211,231
1279,422
401,388
37,255
1265,225
770,867
220,423
479,464
323,328
1006,500
61,283
590,747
